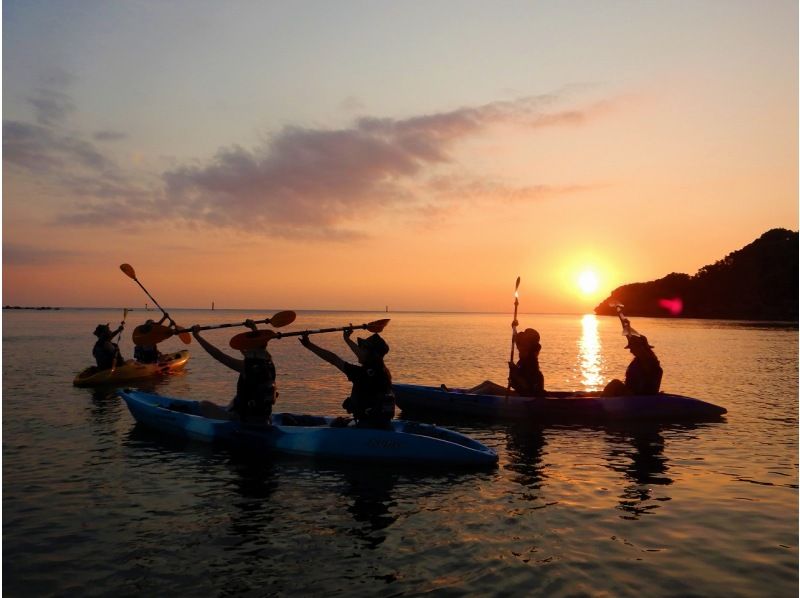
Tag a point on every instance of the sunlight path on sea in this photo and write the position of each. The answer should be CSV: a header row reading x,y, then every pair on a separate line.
x,y
589,351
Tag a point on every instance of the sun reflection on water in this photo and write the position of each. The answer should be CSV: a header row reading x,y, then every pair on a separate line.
x,y
589,350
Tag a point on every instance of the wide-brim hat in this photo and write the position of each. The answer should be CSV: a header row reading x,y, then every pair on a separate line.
x,y
374,344
254,339
638,340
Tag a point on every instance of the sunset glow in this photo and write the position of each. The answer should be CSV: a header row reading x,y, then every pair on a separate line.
x,y
313,186
588,282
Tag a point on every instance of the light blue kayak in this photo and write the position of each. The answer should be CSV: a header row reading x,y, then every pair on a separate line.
x,y
557,406
404,442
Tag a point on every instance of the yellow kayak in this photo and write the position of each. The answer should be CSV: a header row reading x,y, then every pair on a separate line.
x,y
132,370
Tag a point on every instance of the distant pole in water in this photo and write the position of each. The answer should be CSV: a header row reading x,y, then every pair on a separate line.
x,y
212,306
387,309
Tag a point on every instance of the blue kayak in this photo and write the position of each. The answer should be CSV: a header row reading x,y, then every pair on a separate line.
x,y
556,406
311,436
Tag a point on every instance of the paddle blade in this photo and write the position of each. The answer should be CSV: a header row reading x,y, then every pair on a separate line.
x,y
151,334
185,337
254,339
128,270
282,318
378,325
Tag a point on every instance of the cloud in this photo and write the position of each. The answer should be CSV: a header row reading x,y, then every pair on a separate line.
x,y
307,179
351,104
51,107
109,136
27,255
301,182
39,148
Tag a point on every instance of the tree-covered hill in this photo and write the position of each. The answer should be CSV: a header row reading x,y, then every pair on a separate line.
x,y
757,282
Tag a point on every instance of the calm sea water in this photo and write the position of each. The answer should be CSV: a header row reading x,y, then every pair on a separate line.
x,y
95,506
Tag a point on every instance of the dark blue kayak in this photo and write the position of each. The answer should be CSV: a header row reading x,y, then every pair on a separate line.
x,y
311,436
556,406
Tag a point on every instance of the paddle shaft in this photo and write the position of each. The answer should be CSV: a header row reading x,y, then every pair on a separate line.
x,y
321,330
514,324
163,311
124,317
215,326
627,329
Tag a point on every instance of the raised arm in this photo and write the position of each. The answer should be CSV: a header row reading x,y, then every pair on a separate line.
x,y
346,334
223,358
328,356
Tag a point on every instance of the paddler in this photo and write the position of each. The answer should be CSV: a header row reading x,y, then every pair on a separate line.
x,y
643,376
525,376
371,400
255,388
105,351
148,353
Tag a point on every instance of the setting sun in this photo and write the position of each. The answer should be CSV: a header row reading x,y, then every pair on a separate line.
x,y
588,282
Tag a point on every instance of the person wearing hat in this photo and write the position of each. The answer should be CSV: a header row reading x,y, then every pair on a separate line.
x,y
255,388
643,376
148,353
371,400
105,351
525,376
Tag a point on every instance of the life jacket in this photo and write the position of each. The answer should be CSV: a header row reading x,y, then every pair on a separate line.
x,y
526,377
255,391
106,354
643,376
371,400
146,354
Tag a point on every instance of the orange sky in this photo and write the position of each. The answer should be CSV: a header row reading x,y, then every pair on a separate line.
x,y
349,169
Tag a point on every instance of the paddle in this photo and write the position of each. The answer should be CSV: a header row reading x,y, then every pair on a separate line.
x,y
131,273
376,326
150,334
122,324
514,325
627,329
259,338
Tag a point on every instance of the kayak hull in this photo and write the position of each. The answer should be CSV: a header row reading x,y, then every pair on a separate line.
x,y
556,406
405,442
132,370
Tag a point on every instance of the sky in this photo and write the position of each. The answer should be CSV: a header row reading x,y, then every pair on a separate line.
x,y
362,154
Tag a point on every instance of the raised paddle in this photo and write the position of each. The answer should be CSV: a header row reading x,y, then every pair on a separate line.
x,y
376,326
131,273
514,325
256,338
121,326
627,329
150,334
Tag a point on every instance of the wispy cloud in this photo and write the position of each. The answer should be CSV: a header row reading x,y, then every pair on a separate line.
x,y
305,182
15,254
51,106
109,136
39,148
